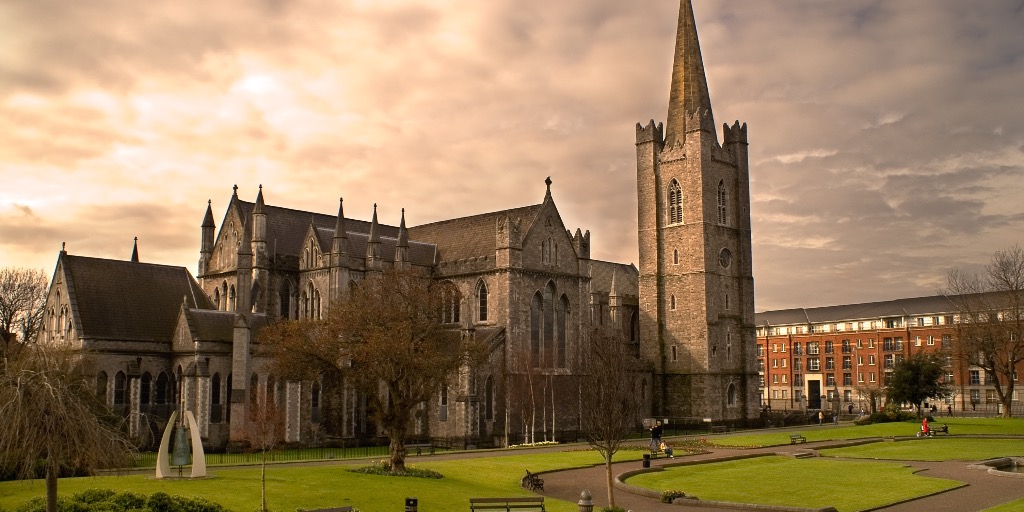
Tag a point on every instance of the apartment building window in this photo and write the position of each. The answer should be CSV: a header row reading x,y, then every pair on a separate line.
x,y
775,393
860,377
784,363
871,359
798,349
890,361
892,323
798,379
948,319
762,380
848,395
812,348
783,348
887,344
775,348
784,378
989,378
830,363
860,360
860,343
947,341
830,380
931,340
917,341
990,396
846,347
847,379
812,364
897,343
760,351
760,365
849,326
975,378
949,377
775,363
775,379
828,347
783,394
871,343
975,396
847,363
871,376
797,363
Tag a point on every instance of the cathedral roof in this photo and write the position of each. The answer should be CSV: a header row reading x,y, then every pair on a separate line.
x,y
286,228
626,276
473,236
124,300
211,325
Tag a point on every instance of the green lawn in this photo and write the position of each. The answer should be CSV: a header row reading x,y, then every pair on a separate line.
x,y
933,449
757,480
1013,506
957,426
289,488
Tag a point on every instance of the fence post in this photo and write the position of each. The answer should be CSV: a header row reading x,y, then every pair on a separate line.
x,y
585,503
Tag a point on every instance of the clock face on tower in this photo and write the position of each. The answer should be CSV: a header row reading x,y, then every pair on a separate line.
x,y
725,258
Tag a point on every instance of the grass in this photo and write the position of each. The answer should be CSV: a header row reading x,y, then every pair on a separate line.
x,y
958,426
718,481
321,486
933,449
1012,506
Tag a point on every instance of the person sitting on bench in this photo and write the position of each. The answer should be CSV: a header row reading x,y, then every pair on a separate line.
x,y
667,449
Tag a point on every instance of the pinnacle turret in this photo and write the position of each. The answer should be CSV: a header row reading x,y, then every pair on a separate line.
x,y
135,251
340,245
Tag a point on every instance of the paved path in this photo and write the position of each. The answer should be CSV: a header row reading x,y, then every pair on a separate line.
x,y
983,490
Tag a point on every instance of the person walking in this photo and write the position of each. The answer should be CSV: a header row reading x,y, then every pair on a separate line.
x,y
949,409
821,417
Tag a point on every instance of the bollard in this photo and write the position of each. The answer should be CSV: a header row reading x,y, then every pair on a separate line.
x,y
411,505
586,504
647,460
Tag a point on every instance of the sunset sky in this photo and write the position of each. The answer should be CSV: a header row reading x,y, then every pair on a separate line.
x,y
886,138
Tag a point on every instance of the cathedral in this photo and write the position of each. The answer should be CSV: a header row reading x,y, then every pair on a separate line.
x,y
518,281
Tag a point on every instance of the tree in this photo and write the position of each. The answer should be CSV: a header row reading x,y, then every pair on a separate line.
x,y
387,341
52,418
916,379
263,431
872,392
22,296
611,398
990,332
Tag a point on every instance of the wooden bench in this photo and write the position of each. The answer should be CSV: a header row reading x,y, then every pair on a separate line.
x,y
944,429
532,482
535,503
719,429
419,448
797,438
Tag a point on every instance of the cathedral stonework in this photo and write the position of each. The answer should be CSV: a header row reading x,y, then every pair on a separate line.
x,y
517,281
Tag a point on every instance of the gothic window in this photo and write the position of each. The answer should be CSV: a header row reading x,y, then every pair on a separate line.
x,y
675,203
101,386
254,386
481,295
216,298
215,398
723,198
161,389
442,412
563,331
119,388
224,296
547,345
536,306
634,327
285,296
314,403
451,303
227,410
305,304
145,388
231,298
489,398
316,304
730,395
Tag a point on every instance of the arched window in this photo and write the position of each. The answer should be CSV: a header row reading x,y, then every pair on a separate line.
x,y
145,388
634,327
489,398
451,303
254,386
535,329
224,296
675,256
675,203
442,412
547,342
563,331
672,302
481,296
314,403
305,304
101,386
730,395
285,298
227,394
723,198
215,413
216,298
316,304
160,397
119,388
231,298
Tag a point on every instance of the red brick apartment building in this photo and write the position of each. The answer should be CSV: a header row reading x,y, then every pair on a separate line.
x,y
811,358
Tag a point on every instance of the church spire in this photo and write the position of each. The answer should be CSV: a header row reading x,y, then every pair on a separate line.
x,y
135,251
689,94
340,231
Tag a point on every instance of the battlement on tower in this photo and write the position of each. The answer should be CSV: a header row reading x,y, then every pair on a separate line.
x,y
650,133
734,133
700,120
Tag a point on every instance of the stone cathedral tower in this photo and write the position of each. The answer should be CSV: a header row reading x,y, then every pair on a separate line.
x,y
696,283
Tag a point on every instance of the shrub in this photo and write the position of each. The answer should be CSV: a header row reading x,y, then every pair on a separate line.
x,y
613,509
670,495
384,469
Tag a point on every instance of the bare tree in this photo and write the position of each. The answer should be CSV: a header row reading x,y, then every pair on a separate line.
x,y
389,340
611,399
873,392
990,333
264,431
22,296
51,416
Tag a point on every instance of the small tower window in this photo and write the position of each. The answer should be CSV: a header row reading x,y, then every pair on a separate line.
x,y
675,353
675,203
675,257
723,198
672,302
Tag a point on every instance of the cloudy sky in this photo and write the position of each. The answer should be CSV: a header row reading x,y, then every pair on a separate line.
x,y
886,138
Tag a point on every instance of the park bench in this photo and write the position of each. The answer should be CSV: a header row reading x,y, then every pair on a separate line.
x,y
532,482
419,447
534,503
797,438
719,429
655,450
944,429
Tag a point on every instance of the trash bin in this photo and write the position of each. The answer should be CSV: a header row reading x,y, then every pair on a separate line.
x,y
647,460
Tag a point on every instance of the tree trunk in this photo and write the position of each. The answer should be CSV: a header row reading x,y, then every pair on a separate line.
x,y
51,487
396,434
608,480
263,483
